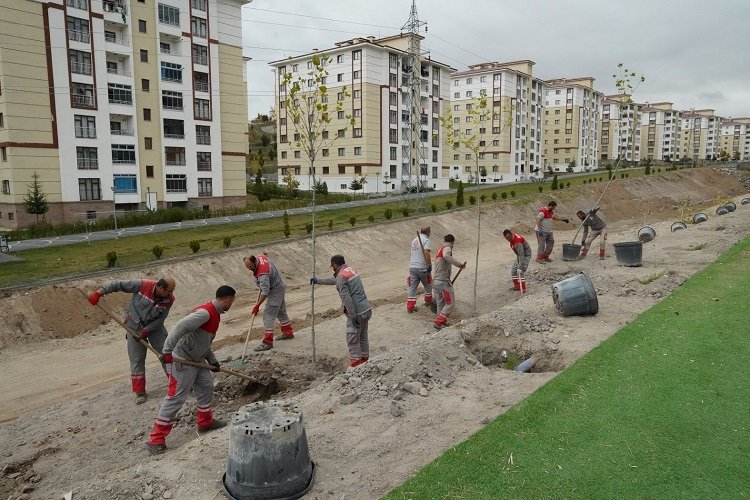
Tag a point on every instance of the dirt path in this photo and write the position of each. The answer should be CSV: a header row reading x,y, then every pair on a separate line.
x,y
365,448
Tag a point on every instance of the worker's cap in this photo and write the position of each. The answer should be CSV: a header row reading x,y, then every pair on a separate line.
x,y
338,259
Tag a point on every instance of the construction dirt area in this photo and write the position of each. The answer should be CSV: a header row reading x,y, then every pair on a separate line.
x,y
69,419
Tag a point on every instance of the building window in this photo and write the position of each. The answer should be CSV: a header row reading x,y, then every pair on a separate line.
x,y
6,187
201,81
3,153
199,27
203,135
176,183
200,54
78,4
355,75
174,156
356,54
85,126
297,154
393,61
148,143
393,153
342,151
171,100
198,4
147,114
123,154
150,171
202,109
80,62
341,133
169,15
393,136
141,26
339,58
357,151
171,72
87,158
126,183
357,94
342,169
326,170
78,29
205,186
283,155
144,55
174,129
357,132
83,94
2,121
204,161
145,85
120,94
89,189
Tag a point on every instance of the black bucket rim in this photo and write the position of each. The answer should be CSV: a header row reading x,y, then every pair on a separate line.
x,y
622,243
677,226
652,231
705,217
720,212
590,282
293,497
570,246
731,206
745,201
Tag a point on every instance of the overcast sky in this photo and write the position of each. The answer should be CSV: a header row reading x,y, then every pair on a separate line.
x,y
694,53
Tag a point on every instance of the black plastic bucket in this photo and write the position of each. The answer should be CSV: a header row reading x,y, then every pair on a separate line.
x,y
629,253
745,201
722,210
268,453
575,296
676,226
646,234
731,206
571,251
699,217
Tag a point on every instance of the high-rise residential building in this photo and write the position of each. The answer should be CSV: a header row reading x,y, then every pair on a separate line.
x,y
660,132
701,135
572,115
376,147
510,137
735,138
620,132
133,104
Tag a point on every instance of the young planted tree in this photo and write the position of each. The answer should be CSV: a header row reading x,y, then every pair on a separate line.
x,y
309,112
357,184
292,184
482,117
35,201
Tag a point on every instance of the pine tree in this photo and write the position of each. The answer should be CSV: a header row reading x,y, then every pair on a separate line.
x,y
35,201
460,194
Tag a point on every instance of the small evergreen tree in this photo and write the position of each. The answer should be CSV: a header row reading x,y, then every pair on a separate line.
x,y
35,201
460,194
553,187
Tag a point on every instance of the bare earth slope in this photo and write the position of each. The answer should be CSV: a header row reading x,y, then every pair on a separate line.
x,y
76,428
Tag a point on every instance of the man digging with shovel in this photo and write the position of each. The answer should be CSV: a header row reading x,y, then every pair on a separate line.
x,y
446,295
149,307
598,228
522,249
544,236
191,340
272,292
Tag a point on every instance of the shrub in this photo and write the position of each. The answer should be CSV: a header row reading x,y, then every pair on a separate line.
x,y
460,194
553,187
157,251
194,245
503,195
483,197
433,207
352,220
449,204
658,170
371,218
541,188
627,175
287,231
388,214
227,241
512,194
308,227
330,224
600,179
622,176
472,200
111,259
405,211
567,184
494,196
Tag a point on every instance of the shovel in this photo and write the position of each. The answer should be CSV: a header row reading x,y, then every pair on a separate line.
x,y
242,361
158,354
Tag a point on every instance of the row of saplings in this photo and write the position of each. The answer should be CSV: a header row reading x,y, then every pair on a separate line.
x,y
158,250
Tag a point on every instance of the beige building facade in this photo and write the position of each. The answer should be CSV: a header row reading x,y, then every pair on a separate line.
x,y
121,104
509,134
375,75
735,138
701,135
620,131
660,132
572,117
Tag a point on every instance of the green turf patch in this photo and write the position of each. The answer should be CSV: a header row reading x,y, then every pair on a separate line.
x,y
658,410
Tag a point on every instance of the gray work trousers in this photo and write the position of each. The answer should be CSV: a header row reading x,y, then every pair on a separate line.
x,y
356,336
137,353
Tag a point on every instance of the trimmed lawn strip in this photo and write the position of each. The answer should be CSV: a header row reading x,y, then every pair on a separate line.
x,y
658,410
67,260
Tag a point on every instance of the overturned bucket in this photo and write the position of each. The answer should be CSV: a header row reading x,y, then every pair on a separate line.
x,y
629,253
646,234
676,226
731,206
575,296
699,217
722,210
571,251
268,453
745,201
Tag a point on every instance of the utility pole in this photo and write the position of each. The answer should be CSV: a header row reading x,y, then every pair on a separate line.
x,y
114,208
412,195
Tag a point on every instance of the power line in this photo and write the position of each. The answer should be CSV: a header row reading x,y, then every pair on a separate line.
x,y
323,18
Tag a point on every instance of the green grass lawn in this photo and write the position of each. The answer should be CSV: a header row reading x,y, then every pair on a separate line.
x,y
67,260
659,410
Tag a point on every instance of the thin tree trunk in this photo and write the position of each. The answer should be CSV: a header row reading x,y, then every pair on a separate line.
x,y
312,288
476,258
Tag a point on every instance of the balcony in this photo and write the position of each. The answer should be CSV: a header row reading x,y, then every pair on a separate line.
x,y
88,163
201,86
116,38
205,193
203,140
79,36
172,107
118,71
120,131
200,59
123,161
85,132
122,100
204,166
169,50
80,68
84,100
173,135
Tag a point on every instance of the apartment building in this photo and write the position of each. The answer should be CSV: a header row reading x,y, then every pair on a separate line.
x,y
510,135
735,138
701,135
572,115
620,131
376,74
133,104
660,132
